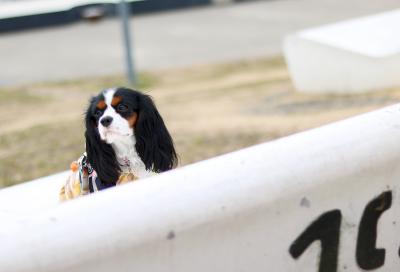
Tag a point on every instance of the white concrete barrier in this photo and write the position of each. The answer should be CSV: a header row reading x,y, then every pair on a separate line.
x,y
348,57
30,198
258,209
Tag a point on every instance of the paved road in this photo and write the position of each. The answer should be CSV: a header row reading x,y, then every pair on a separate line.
x,y
171,39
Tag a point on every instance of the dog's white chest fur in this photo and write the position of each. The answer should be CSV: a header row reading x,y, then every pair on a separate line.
x,y
128,158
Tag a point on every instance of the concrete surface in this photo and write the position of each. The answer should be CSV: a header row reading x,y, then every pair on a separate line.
x,y
244,211
354,56
171,39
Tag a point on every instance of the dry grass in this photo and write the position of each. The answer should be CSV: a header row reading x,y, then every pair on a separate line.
x,y
210,110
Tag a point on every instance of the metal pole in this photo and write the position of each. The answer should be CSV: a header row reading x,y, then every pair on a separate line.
x,y
124,12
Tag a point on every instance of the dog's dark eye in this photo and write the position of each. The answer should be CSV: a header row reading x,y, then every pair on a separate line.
x,y
97,113
122,108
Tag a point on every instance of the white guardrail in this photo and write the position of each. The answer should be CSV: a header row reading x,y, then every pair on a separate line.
x,y
259,209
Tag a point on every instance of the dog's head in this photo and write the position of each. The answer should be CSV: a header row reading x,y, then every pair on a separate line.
x,y
118,113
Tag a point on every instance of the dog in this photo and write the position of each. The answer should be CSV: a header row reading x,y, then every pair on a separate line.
x,y
126,139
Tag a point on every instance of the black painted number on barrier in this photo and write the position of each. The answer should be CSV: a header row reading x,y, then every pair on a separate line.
x,y
367,255
326,229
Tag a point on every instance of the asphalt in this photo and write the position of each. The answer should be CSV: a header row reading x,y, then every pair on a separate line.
x,y
169,39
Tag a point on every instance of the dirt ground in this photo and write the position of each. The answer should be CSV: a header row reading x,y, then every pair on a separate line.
x,y
209,110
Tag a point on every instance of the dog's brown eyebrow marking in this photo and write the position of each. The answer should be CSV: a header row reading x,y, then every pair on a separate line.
x,y
116,100
101,105
132,120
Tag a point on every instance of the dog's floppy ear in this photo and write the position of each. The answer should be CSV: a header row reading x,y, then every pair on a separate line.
x,y
153,141
100,155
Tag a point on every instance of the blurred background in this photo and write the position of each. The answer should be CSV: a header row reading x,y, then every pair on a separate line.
x,y
214,68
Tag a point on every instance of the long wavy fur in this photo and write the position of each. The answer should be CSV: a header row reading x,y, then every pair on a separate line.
x,y
100,155
153,141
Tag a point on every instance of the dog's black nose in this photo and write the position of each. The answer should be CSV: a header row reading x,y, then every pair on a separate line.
x,y
106,121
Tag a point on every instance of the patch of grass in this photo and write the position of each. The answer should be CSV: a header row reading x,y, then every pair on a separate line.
x,y
193,148
289,103
222,70
15,96
39,151
145,80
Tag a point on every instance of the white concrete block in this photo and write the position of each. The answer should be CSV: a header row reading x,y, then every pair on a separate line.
x,y
354,56
244,211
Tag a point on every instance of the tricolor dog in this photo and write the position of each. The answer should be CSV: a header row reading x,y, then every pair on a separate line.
x,y
126,139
